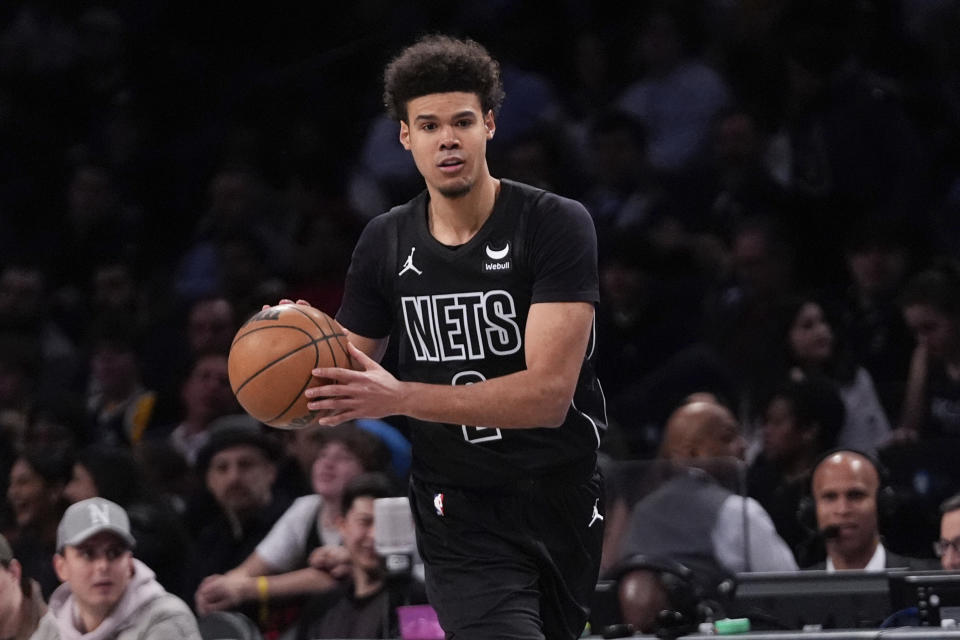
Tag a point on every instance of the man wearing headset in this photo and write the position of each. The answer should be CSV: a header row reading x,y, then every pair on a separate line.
x,y
845,486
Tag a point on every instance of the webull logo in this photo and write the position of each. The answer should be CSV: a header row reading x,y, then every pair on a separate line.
x,y
496,266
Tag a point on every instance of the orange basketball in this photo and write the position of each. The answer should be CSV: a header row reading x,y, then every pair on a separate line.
x,y
272,356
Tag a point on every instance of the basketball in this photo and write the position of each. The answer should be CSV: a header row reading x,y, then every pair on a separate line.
x,y
271,358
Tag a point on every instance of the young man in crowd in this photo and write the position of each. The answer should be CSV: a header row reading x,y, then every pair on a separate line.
x,y
106,592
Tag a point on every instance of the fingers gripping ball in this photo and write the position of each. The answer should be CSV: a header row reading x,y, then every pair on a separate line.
x,y
272,356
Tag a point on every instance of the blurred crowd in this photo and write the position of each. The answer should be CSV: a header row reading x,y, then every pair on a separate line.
x,y
775,186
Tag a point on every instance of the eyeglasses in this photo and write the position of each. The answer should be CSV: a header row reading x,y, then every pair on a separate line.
x,y
940,546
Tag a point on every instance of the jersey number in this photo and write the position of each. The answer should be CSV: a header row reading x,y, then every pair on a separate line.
x,y
476,435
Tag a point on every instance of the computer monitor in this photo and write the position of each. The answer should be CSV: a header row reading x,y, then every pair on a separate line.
x,y
812,599
935,594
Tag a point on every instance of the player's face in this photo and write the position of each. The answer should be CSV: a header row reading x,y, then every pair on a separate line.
x,y
447,134
845,490
98,570
356,529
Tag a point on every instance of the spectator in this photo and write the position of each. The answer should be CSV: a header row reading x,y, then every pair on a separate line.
x,y
678,95
850,143
877,257
19,372
37,481
203,326
846,502
27,314
304,445
624,194
105,591
301,449
115,474
119,406
206,396
211,325
21,604
362,605
809,347
931,306
310,523
692,519
242,219
947,547
238,467
741,312
802,420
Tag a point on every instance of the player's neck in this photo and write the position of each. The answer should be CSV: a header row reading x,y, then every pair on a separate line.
x,y
454,221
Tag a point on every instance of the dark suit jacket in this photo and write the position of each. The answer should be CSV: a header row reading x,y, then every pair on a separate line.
x,y
894,561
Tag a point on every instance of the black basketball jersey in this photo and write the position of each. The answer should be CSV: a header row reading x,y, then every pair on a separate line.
x,y
460,313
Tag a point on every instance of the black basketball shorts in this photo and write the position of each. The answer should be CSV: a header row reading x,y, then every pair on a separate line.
x,y
520,563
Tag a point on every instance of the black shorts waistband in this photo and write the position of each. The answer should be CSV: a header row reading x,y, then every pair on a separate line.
x,y
564,475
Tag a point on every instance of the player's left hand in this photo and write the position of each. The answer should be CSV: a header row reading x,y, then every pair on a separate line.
x,y
370,392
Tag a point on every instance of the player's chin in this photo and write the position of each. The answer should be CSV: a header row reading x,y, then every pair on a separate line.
x,y
455,189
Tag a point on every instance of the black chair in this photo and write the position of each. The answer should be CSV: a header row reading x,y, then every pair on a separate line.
x,y
227,625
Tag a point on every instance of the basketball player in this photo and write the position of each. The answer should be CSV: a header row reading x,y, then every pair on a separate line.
x,y
490,287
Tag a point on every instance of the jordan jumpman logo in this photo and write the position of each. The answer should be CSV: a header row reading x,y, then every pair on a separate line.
x,y
596,514
408,265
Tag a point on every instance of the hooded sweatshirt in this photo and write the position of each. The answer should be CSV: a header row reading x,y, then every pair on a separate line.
x,y
145,612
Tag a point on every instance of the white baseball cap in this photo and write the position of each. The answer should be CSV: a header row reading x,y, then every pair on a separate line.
x,y
89,517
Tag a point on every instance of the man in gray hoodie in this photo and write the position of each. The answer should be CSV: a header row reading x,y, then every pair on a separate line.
x,y
106,593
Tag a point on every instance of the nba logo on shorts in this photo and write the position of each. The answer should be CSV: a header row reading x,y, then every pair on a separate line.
x,y
438,503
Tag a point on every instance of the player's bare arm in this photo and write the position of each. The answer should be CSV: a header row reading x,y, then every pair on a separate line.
x,y
556,342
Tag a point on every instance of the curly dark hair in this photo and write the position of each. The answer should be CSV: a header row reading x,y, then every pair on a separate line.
x,y
441,64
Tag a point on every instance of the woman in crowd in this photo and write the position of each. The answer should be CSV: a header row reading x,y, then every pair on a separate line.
x,y
809,347
37,481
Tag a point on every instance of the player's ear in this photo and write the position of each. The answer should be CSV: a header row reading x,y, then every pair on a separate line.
x,y
405,135
489,124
